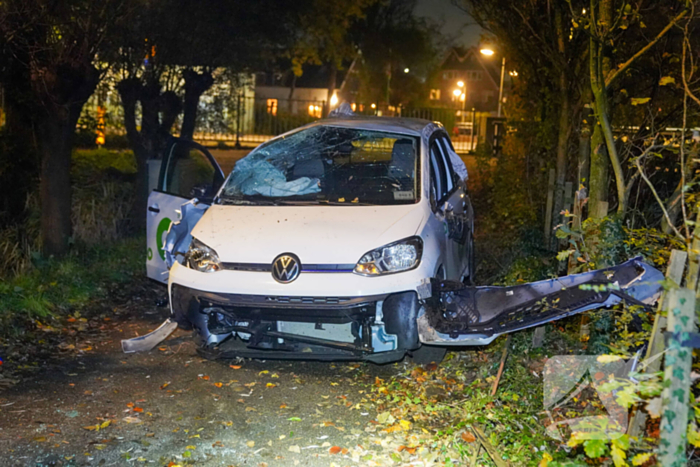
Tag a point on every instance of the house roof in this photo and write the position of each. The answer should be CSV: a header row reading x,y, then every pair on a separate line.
x,y
464,59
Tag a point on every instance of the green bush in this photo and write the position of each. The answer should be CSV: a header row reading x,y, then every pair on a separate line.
x,y
102,197
67,285
88,162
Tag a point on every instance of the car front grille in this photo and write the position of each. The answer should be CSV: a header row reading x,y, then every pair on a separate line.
x,y
305,268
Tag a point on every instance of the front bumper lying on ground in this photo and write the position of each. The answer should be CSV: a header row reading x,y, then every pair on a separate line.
x,y
378,328
461,315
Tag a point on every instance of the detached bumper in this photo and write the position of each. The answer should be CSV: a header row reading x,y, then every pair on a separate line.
x,y
461,315
378,328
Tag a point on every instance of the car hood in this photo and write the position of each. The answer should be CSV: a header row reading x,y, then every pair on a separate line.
x,y
316,234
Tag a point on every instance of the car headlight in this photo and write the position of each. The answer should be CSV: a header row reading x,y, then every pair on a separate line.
x,y
403,255
202,258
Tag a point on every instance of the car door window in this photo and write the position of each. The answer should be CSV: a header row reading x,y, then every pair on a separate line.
x,y
439,170
189,173
448,164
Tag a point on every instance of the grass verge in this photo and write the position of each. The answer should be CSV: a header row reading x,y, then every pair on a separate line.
x,y
58,287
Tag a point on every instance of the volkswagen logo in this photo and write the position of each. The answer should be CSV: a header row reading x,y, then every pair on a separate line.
x,y
286,268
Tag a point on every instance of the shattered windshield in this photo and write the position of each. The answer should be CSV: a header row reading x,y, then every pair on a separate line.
x,y
328,165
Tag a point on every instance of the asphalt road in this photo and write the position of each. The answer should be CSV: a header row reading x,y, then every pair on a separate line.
x,y
170,405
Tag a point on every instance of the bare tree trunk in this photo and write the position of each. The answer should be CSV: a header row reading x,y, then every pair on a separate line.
x,y
598,187
65,97
564,130
158,113
196,84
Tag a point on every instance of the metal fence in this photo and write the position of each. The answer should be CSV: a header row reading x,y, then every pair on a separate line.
x,y
248,121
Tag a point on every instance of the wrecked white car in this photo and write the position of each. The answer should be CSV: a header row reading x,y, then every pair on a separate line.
x,y
348,239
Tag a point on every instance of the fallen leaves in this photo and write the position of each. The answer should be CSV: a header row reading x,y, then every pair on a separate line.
x,y
468,437
98,427
294,448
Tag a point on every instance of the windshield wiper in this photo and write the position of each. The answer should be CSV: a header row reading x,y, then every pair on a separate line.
x,y
342,203
245,202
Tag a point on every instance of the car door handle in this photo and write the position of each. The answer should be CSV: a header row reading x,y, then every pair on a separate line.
x,y
154,208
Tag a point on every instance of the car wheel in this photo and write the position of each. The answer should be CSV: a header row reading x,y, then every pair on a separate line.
x,y
428,354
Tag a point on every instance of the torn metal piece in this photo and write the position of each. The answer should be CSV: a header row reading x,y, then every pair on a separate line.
x,y
148,341
179,236
462,315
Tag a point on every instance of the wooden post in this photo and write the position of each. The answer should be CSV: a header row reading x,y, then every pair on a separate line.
x,y
655,349
694,266
678,362
576,223
538,337
549,207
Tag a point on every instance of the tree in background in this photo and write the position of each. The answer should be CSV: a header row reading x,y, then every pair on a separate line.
x,y
182,46
607,23
324,37
617,59
393,39
538,41
50,54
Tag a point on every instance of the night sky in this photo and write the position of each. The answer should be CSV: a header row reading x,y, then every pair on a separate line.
x,y
456,22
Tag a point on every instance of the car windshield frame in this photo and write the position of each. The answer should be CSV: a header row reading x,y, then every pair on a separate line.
x,y
334,156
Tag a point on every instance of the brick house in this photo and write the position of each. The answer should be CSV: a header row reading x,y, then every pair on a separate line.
x,y
479,75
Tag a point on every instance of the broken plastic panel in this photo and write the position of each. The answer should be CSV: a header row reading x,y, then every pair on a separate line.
x,y
148,341
461,315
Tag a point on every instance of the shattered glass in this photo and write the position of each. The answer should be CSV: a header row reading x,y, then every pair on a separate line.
x,y
328,165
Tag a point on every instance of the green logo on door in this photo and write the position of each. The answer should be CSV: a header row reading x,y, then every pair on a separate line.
x,y
163,227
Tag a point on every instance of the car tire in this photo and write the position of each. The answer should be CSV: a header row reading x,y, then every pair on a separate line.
x,y
428,354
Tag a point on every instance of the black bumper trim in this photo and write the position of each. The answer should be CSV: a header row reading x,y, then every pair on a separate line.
x,y
276,301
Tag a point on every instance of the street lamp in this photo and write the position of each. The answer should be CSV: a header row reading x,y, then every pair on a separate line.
x,y
488,52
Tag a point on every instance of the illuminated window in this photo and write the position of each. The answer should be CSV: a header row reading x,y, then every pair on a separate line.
x,y
272,106
353,106
434,94
315,110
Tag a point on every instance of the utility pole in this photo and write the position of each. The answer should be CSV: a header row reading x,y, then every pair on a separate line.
x,y
500,89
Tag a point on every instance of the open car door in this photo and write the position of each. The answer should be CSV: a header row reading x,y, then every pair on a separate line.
x,y
188,171
461,315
